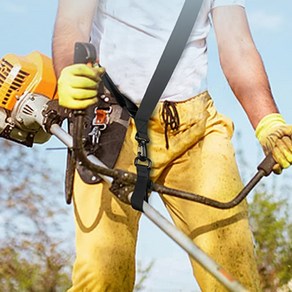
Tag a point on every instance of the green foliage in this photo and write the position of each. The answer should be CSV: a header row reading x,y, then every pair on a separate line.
x,y
271,223
272,230
142,275
33,254
20,273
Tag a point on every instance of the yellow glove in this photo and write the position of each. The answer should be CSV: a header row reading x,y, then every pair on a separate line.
x,y
276,136
78,85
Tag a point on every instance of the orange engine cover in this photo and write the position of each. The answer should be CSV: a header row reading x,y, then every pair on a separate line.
x,y
31,73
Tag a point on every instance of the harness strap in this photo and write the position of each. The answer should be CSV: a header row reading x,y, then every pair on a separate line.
x,y
158,82
122,100
142,186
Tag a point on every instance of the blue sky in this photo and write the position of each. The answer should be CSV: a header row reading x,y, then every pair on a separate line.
x,y
27,26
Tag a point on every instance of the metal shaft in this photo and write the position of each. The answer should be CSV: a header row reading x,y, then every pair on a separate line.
x,y
167,227
193,250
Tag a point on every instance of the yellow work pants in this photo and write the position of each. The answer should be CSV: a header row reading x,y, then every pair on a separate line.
x,y
200,159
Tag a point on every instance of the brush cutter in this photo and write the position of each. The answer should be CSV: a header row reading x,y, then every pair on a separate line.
x,y
29,113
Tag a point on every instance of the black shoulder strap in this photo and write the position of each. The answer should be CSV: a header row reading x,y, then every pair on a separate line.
x,y
158,82
122,100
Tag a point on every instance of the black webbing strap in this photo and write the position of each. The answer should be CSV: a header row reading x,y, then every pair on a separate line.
x,y
122,100
158,82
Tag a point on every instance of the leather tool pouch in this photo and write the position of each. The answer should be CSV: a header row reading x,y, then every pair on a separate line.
x,y
105,127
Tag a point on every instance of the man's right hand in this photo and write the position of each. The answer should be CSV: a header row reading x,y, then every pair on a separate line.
x,y
78,85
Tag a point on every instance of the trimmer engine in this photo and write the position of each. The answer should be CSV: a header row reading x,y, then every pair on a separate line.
x,y
26,85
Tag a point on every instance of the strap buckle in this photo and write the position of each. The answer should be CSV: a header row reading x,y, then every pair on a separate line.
x,y
102,116
99,123
142,157
145,162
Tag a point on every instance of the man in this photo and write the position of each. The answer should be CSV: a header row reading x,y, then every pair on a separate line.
x,y
194,155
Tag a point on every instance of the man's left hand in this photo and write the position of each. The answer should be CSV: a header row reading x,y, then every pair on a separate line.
x,y
276,136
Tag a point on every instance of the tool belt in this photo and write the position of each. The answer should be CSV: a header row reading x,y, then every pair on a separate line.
x,y
105,128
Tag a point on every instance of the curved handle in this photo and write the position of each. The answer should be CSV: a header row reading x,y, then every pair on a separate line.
x,y
266,166
84,53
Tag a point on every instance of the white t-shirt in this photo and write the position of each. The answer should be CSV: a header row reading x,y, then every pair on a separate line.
x,y
130,36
